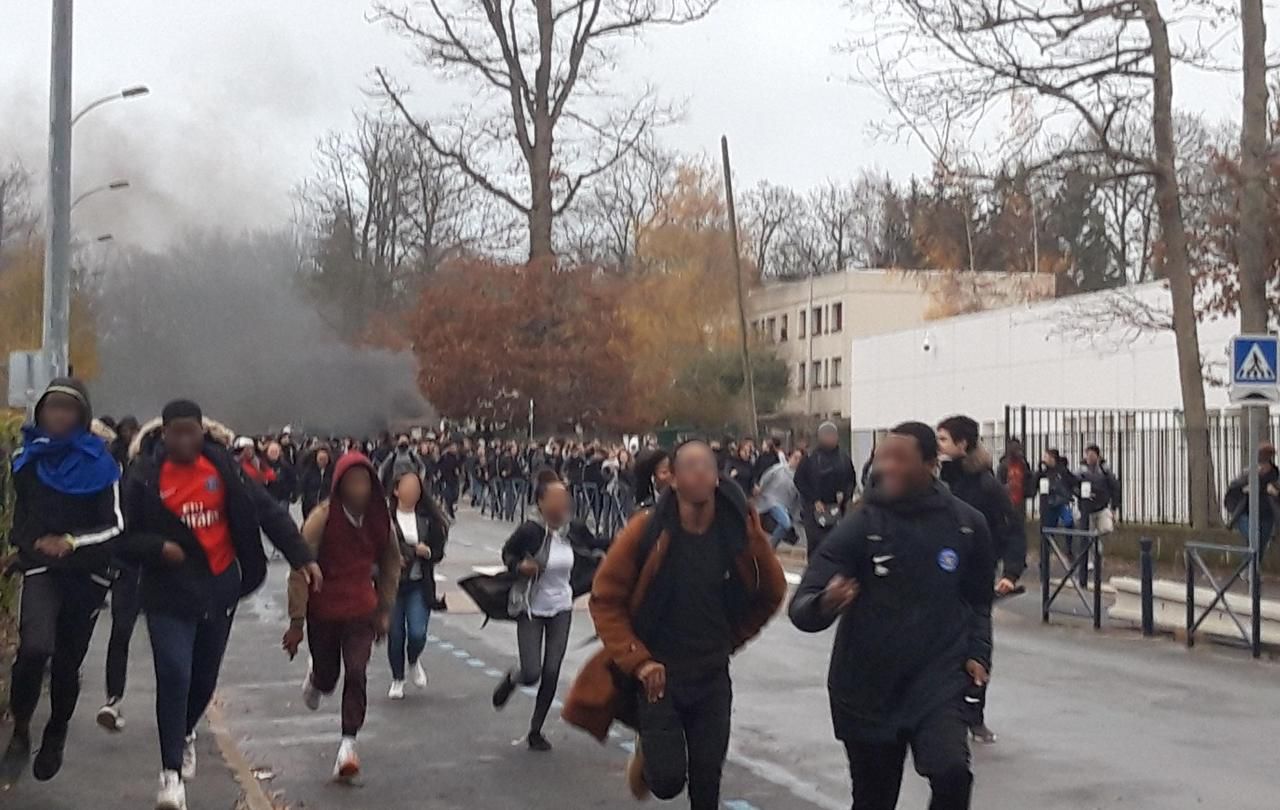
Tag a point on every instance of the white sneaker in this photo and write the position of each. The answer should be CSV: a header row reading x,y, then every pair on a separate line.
x,y
396,692
110,717
173,794
347,766
419,676
189,758
310,694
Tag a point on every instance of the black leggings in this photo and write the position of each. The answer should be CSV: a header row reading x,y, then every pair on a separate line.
x,y
543,642
685,737
940,749
58,612
124,615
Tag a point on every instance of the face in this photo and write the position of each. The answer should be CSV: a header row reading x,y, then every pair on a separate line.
x,y
248,453
900,467
1048,459
274,452
59,415
744,450
322,459
947,446
555,505
828,439
408,489
403,442
183,440
795,458
662,475
356,489
695,476
1092,458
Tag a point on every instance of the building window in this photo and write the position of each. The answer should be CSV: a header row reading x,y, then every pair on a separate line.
x,y
783,336
771,329
802,324
836,362
817,321
837,317
815,379
800,378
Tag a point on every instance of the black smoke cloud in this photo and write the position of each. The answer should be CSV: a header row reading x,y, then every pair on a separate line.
x,y
219,319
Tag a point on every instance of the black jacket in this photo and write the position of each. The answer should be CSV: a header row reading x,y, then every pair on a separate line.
x,y
825,473
39,510
188,589
972,481
742,473
1236,500
527,540
926,571
314,485
1062,486
433,529
286,483
1104,488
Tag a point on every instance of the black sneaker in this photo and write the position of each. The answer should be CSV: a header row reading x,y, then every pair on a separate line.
x,y
49,758
537,742
504,691
16,758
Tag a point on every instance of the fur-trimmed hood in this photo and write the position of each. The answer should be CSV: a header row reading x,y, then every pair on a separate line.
x,y
100,429
977,460
149,434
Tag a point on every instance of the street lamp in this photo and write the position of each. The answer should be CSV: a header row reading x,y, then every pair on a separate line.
x,y
128,92
106,237
114,185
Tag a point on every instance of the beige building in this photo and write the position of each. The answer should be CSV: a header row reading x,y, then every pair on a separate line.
x,y
811,323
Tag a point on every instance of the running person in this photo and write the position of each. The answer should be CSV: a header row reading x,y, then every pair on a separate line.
x,y
556,559
349,535
195,525
421,529
66,520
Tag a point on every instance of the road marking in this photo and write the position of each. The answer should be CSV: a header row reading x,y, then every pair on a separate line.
x,y
461,653
475,663
444,645
255,798
739,804
493,673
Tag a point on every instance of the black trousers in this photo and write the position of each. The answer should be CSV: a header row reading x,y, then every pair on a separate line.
x,y
57,614
124,616
940,750
685,738
543,641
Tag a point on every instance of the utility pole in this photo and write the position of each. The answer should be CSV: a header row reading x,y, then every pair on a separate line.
x,y
57,250
748,377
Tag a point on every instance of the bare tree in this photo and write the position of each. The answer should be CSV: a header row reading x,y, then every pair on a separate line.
x,y
542,100
18,217
768,209
1096,67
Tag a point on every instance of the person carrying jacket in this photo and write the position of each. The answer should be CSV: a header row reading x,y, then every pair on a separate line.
x,y
1103,492
684,586
909,578
315,482
1236,501
194,524
966,470
349,535
66,522
827,482
421,529
556,559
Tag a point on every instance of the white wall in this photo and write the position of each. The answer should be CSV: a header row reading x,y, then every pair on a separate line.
x,y
979,363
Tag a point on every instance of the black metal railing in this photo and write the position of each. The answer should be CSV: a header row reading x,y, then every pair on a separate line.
x,y
1074,563
1195,561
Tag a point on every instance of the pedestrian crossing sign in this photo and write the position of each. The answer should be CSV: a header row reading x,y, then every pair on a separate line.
x,y
1254,369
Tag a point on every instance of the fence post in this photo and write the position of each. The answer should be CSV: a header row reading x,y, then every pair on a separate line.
x,y
1191,599
1044,577
1097,582
1148,596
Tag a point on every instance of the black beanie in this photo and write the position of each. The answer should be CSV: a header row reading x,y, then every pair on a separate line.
x,y
181,409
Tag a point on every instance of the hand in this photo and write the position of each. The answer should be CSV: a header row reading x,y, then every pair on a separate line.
x,y
653,677
527,568
292,640
977,672
423,551
382,625
312,576
55,545
839,594
172,554
1005,586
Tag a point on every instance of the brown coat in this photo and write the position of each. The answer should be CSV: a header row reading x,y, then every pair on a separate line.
x,y
618,592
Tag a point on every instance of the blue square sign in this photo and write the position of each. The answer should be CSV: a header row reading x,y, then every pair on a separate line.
x,y
1254,368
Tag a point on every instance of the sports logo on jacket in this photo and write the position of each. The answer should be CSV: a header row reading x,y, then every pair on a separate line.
x,y
212,483
948,560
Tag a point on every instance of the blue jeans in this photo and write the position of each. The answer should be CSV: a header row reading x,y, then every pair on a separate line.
x,y
408,635
187,654
1265,530
782,523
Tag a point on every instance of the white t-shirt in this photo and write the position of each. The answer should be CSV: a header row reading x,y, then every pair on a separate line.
x,y
553,593
409,528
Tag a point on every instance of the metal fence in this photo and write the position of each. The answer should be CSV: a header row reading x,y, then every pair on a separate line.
x,y
1147,450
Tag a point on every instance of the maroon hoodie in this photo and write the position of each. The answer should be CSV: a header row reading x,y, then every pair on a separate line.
x,y
361,564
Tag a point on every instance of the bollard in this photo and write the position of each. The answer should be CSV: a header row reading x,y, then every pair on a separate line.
x,y
1044,577
1191,599
1148,596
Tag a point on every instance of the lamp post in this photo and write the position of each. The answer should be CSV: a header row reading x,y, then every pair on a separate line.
x,y
57,253
128,92
114,185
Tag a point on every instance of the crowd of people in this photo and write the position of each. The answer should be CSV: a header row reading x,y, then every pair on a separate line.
x,y
169,518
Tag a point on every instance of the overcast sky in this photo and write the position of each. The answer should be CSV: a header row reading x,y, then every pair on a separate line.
x,y
241,89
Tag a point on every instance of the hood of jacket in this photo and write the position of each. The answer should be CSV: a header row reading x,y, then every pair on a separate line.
x,y
70,387
148,437
731,502
976,460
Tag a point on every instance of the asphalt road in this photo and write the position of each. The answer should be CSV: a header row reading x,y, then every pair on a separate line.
x,y
1086,720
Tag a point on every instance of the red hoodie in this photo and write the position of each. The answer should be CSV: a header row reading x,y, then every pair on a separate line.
x,y
348,554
